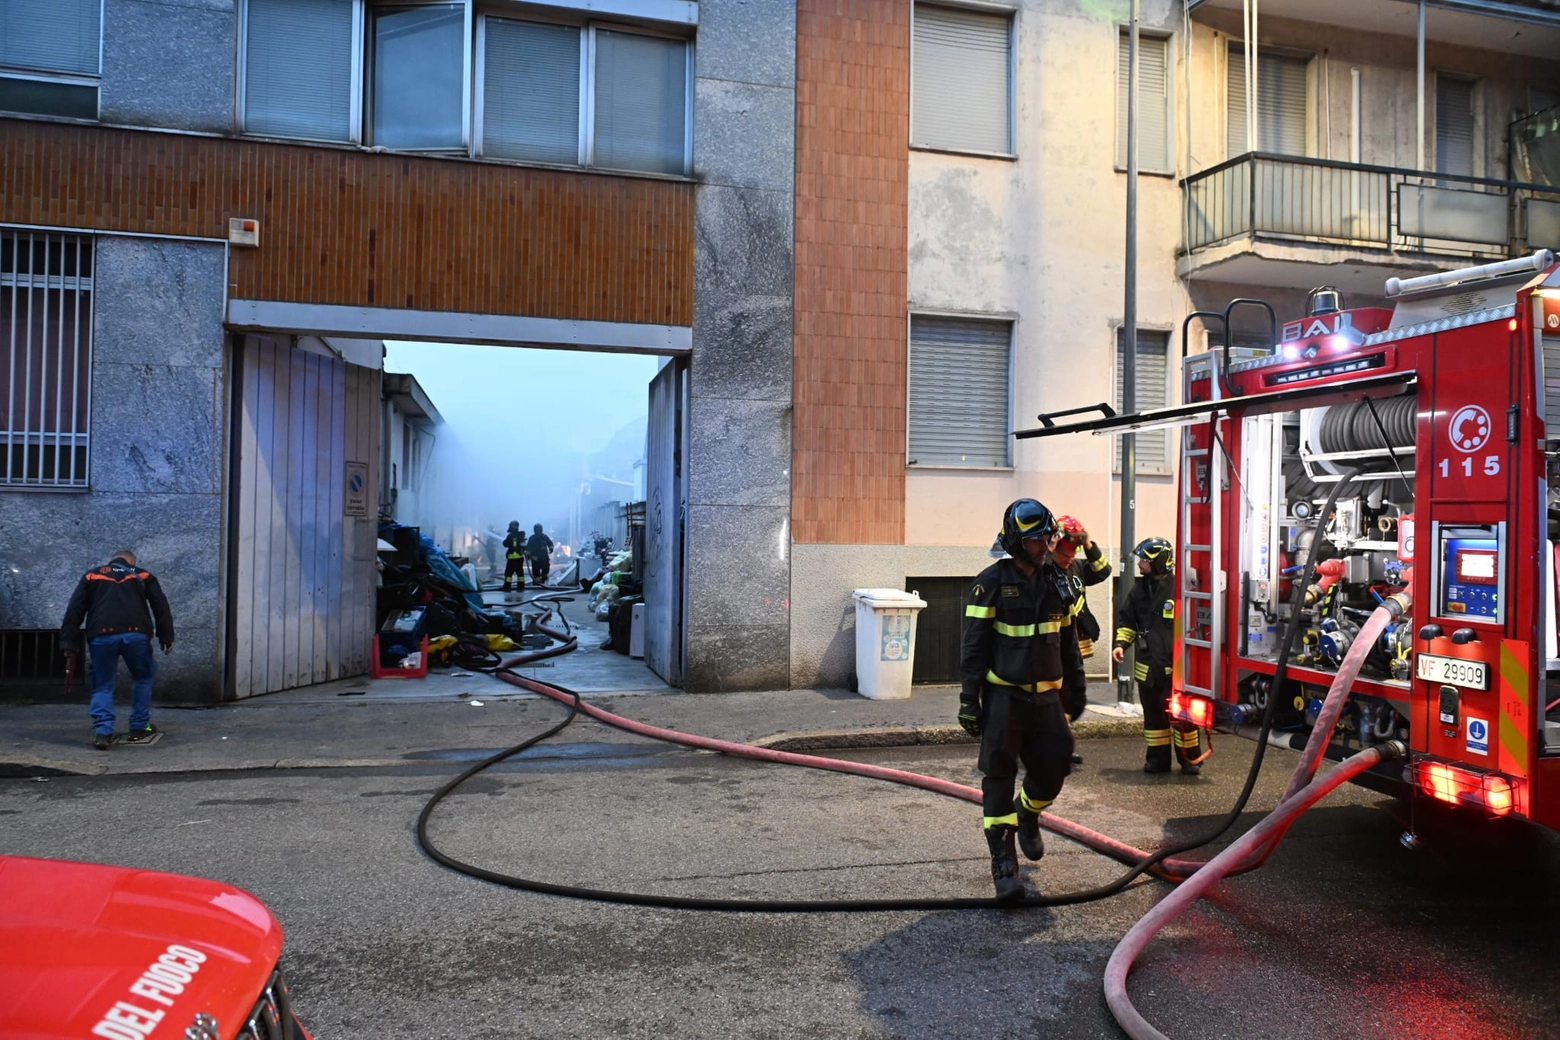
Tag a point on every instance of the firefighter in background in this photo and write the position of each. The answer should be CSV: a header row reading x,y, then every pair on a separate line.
x,y
1019,650
1091,569
1147,618
539,549
514,556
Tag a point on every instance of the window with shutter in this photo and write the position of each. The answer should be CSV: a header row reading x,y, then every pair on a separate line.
x,y
641,102
961,90
531,91
1453,125
298,69
1153,104
1150,389
50,51
1282,103
960,372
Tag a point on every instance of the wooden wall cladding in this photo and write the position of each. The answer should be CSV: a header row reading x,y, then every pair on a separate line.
x,y
341,226
852,212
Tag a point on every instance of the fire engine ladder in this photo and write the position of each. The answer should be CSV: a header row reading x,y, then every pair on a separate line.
x,y
1191,596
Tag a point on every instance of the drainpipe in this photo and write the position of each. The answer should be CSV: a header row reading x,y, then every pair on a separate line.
x,y
1419,121
1355,141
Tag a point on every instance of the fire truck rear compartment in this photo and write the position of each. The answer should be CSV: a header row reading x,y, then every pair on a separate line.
x,y
1290,461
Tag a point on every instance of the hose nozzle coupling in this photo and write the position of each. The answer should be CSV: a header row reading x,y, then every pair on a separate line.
x,y
1392,749
1398,604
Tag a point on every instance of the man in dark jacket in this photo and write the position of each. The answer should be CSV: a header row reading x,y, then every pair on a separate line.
x,y
118,603
514,556
1020,648
1147,619
539,548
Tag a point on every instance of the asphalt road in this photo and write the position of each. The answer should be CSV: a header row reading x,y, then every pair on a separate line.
x,y
1343,934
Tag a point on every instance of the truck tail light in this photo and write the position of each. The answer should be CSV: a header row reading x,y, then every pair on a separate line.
x,y
1188,708
1455,785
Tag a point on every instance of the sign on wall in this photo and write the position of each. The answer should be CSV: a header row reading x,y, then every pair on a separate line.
x,y
357,489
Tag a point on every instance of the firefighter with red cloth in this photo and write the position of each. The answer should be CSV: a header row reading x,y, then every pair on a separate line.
x,y
1090,569
1147,619
1020,647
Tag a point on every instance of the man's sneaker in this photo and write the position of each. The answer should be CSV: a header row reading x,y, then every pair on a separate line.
x,y
102,740
142,736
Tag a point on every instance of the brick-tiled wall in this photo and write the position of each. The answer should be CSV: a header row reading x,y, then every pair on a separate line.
x,y
340,226
852,203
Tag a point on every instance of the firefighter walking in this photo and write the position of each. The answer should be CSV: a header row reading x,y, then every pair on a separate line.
x,y
1147,619
1019,649
514,556
539,551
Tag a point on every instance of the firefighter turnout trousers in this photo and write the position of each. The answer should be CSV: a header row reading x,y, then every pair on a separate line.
x,y
1022,727
1159,731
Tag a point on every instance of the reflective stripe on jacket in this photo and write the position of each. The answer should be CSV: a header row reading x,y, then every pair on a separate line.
x,y
1016,628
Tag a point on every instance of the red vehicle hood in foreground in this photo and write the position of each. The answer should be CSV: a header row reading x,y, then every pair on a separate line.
x,y
122,954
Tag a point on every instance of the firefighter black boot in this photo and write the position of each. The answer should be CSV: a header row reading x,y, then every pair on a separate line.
x,y
1188,749
1004,861
1029,840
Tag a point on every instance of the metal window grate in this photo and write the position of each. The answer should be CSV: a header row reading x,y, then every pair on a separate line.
x,y
31,655
45,358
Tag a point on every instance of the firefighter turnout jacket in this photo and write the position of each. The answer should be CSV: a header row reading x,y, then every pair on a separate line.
x,y
1018,629
112,600
1089,569
1147,618
539,547
514,546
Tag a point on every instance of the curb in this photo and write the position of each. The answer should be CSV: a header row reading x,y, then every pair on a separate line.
x,y
28,768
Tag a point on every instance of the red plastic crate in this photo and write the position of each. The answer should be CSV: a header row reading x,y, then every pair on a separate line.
x,y
376,671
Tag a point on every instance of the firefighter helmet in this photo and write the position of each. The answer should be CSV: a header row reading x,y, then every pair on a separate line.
x,y
1157,551
1025,518
1072,529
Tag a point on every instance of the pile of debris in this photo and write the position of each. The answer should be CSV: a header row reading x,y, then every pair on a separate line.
x,y
430,611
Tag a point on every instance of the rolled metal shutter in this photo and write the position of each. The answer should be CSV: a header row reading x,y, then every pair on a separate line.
x,y
959,73
1152,445
959,391
1453,126
1281,103
1153,103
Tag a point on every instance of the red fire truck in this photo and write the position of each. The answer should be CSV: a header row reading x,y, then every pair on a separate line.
x,y
1441,418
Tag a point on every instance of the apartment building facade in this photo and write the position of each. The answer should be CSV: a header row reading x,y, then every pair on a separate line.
x,y
1371,142
871,237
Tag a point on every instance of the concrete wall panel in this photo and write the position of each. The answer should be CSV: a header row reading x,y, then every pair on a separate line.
x,y
740,433
158,414
169,63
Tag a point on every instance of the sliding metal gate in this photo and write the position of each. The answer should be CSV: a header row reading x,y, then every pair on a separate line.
x,y
303,505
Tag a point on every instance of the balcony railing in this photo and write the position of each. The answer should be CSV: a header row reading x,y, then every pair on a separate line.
x,y
1286,197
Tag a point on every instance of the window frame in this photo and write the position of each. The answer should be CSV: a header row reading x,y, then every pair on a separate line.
x,y
1012,322
1012,14
369,62
355,77
81,318
477,14
1168,39
1166,467
68,79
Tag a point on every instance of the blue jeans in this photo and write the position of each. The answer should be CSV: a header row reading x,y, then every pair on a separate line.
x,y
105,652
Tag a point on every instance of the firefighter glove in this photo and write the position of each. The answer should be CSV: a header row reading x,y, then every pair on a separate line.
x,y
971,716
